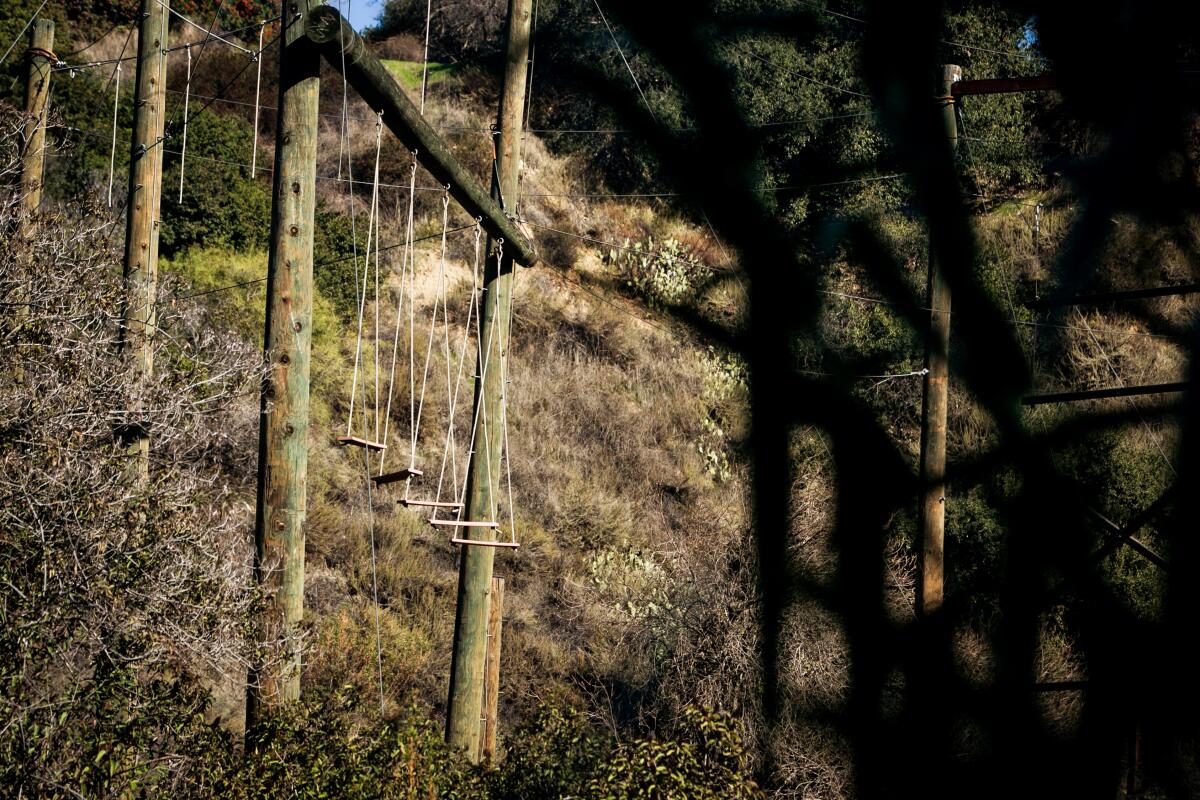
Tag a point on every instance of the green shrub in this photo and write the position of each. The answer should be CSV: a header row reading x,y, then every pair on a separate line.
x,y
222,205
314,750
706,762
553,754
333,260
664,274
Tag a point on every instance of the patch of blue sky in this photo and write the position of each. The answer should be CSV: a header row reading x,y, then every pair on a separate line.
x,y
361,13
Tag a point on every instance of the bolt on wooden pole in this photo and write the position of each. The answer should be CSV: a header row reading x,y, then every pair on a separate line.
x,y
935,401
491,688
287,345
475,567
140,267
33,134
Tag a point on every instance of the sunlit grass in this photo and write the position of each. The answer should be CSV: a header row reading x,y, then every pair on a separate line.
x,y
409,72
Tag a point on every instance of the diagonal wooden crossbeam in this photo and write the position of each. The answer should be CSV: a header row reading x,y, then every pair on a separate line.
x,y
346,51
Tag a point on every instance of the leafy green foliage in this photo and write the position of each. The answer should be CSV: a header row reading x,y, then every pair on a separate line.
x,y
316,749
334,270
222,205
311,750
665,273
705,764
553,754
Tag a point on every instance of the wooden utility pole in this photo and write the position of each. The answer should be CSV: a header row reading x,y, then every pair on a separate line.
x,y
935,402
475,565
287,344
33,135
491,689
140,267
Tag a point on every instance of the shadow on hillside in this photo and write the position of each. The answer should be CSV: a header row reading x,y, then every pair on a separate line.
x,y
915,719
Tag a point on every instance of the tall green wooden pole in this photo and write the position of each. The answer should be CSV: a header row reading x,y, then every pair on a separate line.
x,y
287,343
33,134
935,404
475,565
140,267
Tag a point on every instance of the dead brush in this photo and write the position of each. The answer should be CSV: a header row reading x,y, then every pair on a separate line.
x,y
122,593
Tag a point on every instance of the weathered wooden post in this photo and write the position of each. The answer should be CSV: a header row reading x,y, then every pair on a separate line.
x,y
287,344
33,135
491,689
475,565
140,267
935,402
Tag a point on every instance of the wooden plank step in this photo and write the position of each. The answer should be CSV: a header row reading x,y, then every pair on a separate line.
x,y
427,504
466,523
484,543
400,475
360,442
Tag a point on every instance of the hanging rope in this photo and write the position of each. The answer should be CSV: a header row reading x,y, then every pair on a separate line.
x,y
257,87
529,92
350,183
452,394
450,447
493,324
425,58
374,578
112,156
505,353
412,341
375,217
404,260
345,98
485,351
362,296
187,96
439,297
164,45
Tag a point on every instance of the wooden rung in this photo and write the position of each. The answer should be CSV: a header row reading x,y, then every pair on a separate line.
x,y
427,504
359,442
401,475
485,543
466,523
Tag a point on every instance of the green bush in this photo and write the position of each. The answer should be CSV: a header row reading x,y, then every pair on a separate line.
x,y
333,260
664,274
222,205
553,754
706,762
316,750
